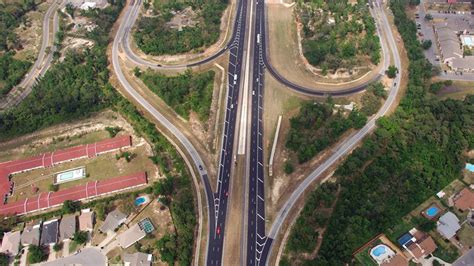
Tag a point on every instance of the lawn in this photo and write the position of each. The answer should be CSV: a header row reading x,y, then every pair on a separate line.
x,y
363,256
466,235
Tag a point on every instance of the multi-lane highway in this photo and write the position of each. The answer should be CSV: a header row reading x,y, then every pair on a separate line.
x,y
236,51
43,61
258,244
256,238
216,201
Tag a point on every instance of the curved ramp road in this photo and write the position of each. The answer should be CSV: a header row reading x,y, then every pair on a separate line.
x,y
132,57
196,159
346,146
314,91
41,64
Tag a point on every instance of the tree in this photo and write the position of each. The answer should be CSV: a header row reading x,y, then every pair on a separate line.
x,y
127,205
53,187
70,9
80,237
164,186
426,44
57,247
428,17
70,206
4,259
391,71
288,168
36,254
167,247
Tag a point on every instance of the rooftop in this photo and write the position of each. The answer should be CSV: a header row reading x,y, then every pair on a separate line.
x,y
86,221
11,243
49,233
448,225
31,235
130,236
464,200
67,227
137,259
113,220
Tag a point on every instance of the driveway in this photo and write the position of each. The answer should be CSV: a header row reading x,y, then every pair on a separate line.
x,y
88,256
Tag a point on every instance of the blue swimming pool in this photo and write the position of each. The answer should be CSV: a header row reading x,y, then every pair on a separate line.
x,y
380,250
140,201
470,167
432,211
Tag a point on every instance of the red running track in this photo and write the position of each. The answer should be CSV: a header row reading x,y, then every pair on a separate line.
x,y
51,158
90,190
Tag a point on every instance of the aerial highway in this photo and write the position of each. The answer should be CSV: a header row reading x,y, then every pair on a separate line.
x,y
345,147
41,64
256,238
258,244
216,201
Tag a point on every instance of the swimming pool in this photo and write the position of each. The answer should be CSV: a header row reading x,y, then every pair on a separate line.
x,y
141,200
470,167
381,253
380,250
432,211
70,175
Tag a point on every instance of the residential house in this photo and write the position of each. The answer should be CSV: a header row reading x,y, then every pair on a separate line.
x,y
131,236
11,243
49,234
67,227
464,200
113,220
137,259
420,245
448,225
86,220
31,235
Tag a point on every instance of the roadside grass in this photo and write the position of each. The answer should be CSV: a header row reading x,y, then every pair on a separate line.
x,y
56,144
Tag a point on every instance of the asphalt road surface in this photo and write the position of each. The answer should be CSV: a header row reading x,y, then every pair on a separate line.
x,y
344,147
256,238
236,50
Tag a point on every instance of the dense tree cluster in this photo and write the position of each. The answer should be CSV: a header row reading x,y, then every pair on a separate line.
x,y
412,154
303,236
184,93
337,34
12,15
11,69
372,99
316,127
154,36
70,89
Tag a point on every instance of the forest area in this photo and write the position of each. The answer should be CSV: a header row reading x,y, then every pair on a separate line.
x,y
316,127
338,34
12,15
155,36
84,90
184,93
411,155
